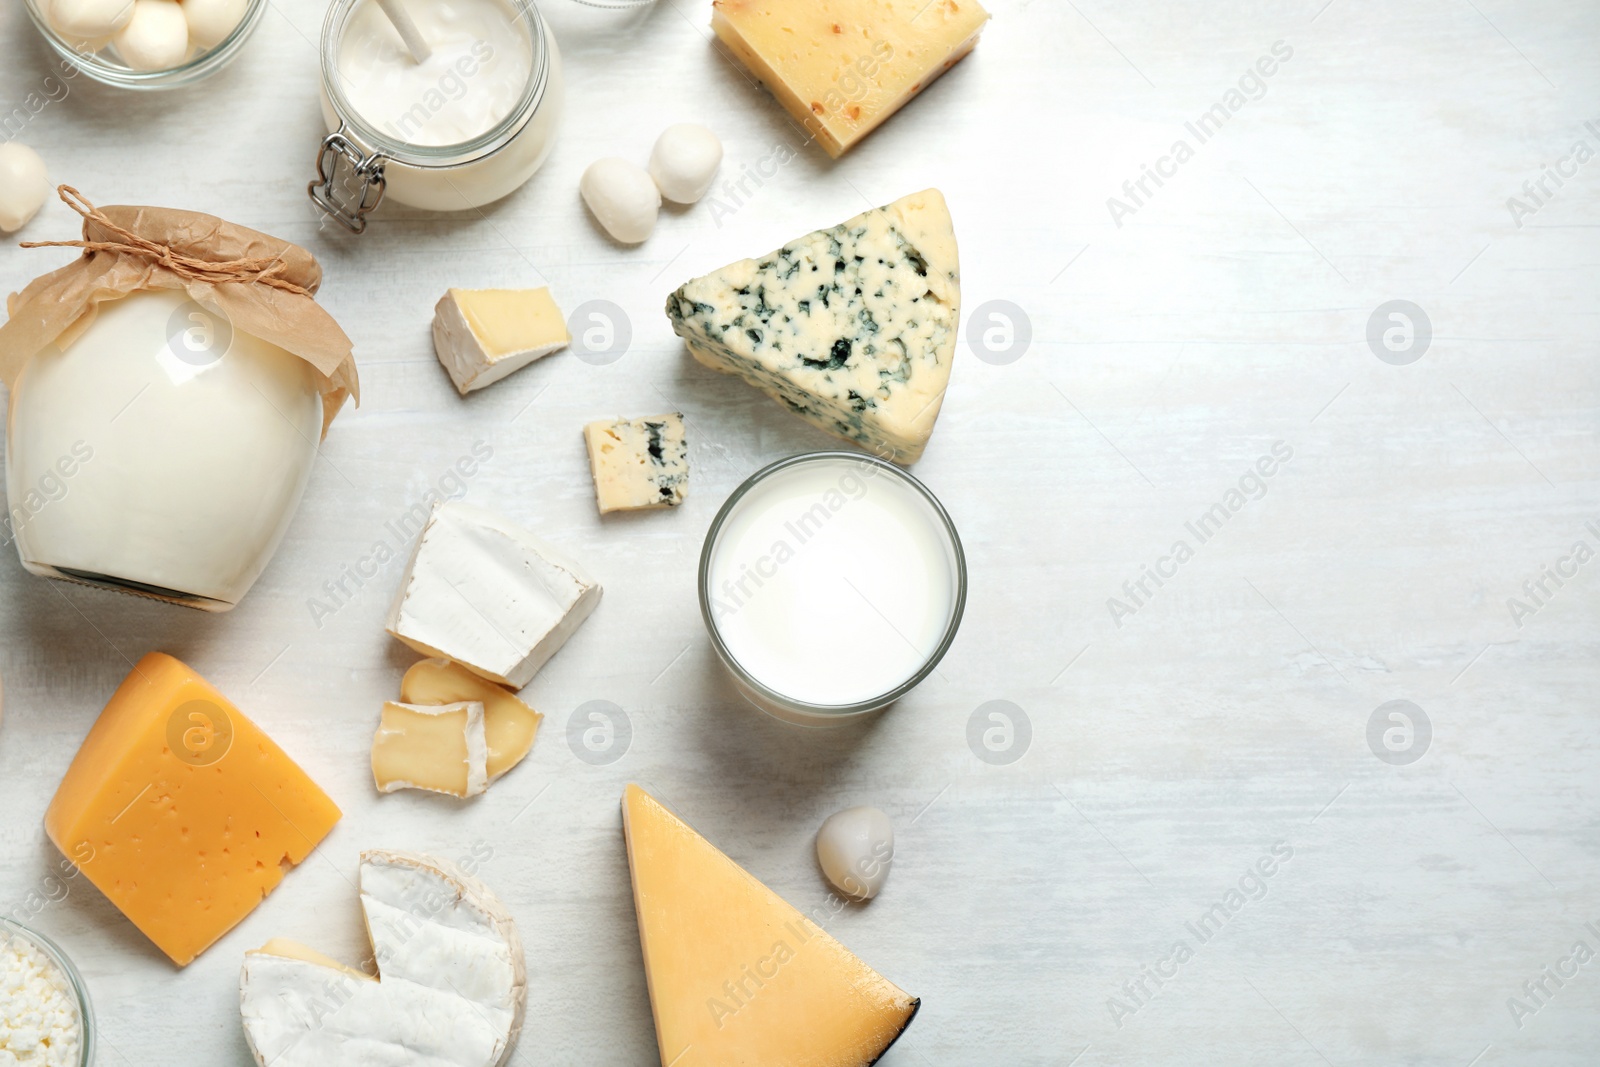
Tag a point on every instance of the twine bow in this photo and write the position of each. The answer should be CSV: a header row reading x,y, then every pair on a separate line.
x,y
262,270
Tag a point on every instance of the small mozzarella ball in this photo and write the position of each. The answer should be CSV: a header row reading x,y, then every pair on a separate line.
x,y
156,38
210,21
89,20
855,847
24,185
684,162
623,197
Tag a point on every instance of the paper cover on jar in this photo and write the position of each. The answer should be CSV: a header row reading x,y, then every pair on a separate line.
x,y
265,287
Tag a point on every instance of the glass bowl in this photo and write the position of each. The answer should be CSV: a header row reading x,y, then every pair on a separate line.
x,y
918,499
103,66
52,951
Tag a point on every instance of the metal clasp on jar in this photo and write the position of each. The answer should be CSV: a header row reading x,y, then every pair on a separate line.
x,y
351,201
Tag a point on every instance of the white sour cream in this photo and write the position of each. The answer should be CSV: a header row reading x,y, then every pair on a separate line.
x,y
482,57
160,452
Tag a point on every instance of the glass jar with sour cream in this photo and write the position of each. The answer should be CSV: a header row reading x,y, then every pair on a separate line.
x,y
463,128
161,453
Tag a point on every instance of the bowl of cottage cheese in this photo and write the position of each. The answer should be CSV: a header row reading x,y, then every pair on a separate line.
x,y
45,1018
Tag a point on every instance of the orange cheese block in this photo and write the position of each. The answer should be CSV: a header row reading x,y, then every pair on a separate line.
x,y
841,67
736,975
181,811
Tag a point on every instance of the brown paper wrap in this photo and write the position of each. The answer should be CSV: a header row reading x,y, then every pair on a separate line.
x,y
265,287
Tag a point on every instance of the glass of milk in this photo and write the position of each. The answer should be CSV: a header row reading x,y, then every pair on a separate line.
x,y
831,584
466,126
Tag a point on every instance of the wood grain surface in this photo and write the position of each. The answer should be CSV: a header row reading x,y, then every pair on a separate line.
x,y
1166,747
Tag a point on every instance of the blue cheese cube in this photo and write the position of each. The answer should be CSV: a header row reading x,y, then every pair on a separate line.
x,y
638,463
854,328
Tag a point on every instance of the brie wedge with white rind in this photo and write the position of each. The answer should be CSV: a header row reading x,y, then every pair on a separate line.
x,y
450,990
852,328
482,335
489,595
509,725
440,748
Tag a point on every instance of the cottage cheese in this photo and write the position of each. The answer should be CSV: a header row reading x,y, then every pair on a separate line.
x,y
39,1025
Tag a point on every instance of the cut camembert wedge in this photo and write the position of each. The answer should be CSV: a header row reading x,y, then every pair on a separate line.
x,y
450,988
736,974
509,725
484,592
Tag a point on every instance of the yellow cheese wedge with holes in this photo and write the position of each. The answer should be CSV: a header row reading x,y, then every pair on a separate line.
x,y
841,67
738,976
182,811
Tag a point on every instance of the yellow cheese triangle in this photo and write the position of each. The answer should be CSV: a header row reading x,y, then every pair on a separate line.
x,y
841,67
737,976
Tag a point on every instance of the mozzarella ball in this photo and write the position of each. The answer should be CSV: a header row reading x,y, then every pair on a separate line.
x,y
855,847
684,162
210,21
156,38
622,196
24,185
89,20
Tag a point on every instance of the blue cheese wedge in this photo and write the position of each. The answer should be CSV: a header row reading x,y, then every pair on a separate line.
x,y
854,327
638,463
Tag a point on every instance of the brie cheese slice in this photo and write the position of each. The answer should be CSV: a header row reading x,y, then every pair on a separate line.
x,y
449,992
482,335
440,748
489,595
509,725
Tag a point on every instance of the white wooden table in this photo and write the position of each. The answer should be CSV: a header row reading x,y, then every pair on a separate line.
x,y
1171,746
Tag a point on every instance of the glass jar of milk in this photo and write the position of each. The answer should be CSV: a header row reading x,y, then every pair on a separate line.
x,y
160,452
464,127
831,583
